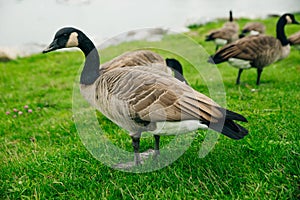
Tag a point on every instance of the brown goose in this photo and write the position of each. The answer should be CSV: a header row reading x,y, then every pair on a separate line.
x,y
256,51
227,34
295,40
253,28
138,99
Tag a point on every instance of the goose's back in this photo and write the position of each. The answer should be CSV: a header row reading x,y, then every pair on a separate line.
x,y
256,26
137,58
260,50
232,25
224,33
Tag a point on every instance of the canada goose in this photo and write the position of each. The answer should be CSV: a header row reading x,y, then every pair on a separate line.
x,y
256,51
140,100
294,40
253,28
227,34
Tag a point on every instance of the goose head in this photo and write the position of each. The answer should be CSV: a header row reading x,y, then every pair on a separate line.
x,y
64,38
282,21
71,37
290,19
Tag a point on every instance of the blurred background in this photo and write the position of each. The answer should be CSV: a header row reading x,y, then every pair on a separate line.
x,y
29,25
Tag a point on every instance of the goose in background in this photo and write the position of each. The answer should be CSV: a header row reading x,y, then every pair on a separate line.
x,y
225,35
294,40
253,28
138,99
256,51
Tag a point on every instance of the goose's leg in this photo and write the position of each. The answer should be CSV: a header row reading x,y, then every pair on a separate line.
x,y
239,76
136,148
259,71
156,146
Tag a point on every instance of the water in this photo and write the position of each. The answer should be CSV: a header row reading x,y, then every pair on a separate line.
x,y
26,22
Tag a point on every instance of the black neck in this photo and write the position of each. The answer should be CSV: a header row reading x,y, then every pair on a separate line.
x,y
90,71
230,16
280,34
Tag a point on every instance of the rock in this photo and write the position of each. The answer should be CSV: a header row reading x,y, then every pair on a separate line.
x,y
4,56
8,53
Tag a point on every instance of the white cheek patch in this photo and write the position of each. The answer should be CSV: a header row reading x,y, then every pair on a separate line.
x,y
73,40
288,19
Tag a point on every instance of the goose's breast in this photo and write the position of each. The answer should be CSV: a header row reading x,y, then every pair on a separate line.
x,y
108,102
88,92
285,51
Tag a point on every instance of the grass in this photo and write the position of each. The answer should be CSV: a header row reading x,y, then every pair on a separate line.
x,y
42,156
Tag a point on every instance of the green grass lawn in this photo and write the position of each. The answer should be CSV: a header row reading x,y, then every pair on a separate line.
x,y
42,156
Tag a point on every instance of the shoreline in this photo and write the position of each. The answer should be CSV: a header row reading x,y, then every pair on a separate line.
x,y
12,52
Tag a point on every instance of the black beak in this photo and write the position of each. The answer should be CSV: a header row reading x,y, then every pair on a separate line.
x,y
295,22
53,46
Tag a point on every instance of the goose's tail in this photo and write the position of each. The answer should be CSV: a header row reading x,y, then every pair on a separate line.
x,y
229,127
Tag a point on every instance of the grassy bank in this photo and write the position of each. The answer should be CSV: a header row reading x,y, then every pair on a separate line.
x,y
42,156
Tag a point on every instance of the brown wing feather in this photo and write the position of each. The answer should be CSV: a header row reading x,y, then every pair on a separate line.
x,y
160,98
135,98
134,58
260,48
